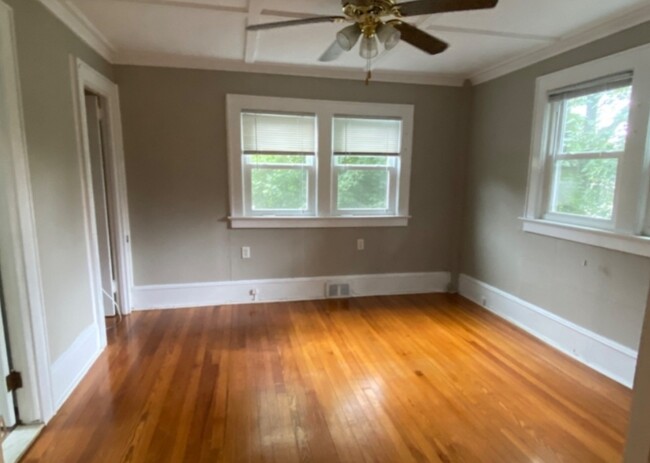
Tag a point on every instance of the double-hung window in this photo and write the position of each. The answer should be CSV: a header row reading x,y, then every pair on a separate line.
x,y
317,163
588,130
366,165
590,162
278,153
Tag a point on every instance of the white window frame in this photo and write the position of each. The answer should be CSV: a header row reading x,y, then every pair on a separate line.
x,y
393,181
247,173
628,229
324,213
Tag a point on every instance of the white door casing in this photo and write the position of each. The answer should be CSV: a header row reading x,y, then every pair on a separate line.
x,y
25,314
85,79
6,397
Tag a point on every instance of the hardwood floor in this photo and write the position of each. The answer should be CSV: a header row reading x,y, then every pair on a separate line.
x,y
387,379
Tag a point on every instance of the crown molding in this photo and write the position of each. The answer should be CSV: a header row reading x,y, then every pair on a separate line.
x,y
194,62
569,42
82,27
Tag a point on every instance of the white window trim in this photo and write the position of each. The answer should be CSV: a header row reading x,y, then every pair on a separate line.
x,y
631,214
631,244
325,110
319,222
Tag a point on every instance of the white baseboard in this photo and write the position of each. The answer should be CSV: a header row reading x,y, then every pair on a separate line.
x,y
283,289
603,355
70,368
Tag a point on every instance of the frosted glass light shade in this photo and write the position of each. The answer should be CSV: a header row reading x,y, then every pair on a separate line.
x,y
388,35
348,37
369,48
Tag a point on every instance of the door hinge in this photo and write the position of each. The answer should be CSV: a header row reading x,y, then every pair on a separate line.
x,y
14,381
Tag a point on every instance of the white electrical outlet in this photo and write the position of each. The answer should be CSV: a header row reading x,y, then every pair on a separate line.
x,y
361,244
245,252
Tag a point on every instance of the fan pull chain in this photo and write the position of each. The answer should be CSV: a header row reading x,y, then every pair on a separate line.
x,y
368,71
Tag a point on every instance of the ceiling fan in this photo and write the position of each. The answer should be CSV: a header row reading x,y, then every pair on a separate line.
x,y
378,22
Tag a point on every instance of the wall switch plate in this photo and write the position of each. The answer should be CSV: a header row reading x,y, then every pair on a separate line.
x,y
245,252
361,244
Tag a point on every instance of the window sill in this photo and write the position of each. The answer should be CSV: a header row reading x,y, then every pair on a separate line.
x,y
318,222
631,244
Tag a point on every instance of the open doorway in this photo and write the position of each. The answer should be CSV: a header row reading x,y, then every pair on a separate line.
x,y
100,141
97,150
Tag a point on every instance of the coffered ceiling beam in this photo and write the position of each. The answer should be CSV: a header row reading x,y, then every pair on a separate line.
x,y
195,5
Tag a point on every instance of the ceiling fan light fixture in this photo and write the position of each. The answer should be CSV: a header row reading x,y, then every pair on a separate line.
x,y
388,35
369,47
348,37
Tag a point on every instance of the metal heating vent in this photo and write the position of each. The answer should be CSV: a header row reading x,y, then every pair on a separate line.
x,y
334,290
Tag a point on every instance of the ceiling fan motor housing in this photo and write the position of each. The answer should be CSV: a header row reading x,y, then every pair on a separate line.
x,y
368,13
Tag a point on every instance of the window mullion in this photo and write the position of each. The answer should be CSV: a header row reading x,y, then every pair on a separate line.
x,y
324,170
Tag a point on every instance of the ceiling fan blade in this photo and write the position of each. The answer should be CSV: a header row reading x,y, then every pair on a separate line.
x,y
419,39
296,22
332,53
419,7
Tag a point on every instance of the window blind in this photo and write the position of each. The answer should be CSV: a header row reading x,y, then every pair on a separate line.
x,y
593,86
367,136
267,133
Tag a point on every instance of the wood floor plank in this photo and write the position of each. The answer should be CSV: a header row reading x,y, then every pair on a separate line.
x,y
417,378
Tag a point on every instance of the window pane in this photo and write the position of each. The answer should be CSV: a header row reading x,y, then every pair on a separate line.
x,y
596,123
364,160
279,159
363,189
585,187
279,189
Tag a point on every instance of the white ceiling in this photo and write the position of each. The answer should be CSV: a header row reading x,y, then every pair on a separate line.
x,y
211,33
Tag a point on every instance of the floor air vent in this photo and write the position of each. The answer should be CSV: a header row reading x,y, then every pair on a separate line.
x,y
337,290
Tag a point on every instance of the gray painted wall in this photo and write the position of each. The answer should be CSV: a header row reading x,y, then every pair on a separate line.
x,y
176,162
607,295
44,45
174,123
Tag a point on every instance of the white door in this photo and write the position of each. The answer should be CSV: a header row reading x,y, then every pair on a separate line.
x,y
6,254
6,397
96,145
